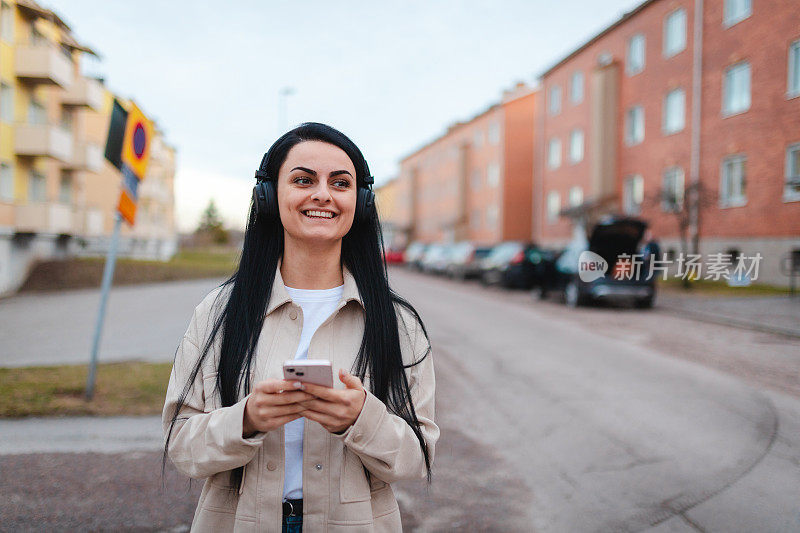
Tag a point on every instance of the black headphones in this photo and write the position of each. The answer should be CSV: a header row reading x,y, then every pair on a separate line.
x,y
265,196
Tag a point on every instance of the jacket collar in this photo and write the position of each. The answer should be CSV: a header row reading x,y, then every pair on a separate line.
x,y
280,295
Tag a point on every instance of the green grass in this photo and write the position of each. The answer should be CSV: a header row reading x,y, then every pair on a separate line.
x,y
121,389
721,288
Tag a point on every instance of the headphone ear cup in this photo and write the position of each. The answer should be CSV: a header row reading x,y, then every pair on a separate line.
x,y
365,204
265,199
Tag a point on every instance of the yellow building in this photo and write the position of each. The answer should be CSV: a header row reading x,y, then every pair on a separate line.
x,y
58,194
386,201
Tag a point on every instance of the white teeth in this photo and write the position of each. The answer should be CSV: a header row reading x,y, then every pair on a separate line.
x,y
319,214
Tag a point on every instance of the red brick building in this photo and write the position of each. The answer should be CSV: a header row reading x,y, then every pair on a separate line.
x,y
677,114
475,182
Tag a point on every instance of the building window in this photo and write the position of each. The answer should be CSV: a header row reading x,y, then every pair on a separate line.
x,y
6,182
634,125
633,195
634,62
37,39
491,217
675,32
554,153
476,179
793,85
732,186
575,196
493,174
6,103
791,190
36,113
477,138
37,191
66,119
476,219
672,190
494,133
576,146
65,187
554,100
576,88
736,89
736,11
6,22
674,111
553,206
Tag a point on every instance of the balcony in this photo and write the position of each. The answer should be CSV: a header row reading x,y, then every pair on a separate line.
x,y
47,217
86,156
84,92
45,140
43,63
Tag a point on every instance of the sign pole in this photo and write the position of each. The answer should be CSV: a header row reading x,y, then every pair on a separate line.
x,y
108,276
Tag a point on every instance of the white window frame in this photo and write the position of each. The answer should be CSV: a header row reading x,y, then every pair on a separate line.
x,y
726,199
630,68
37,112
493,174
677,127
477,138
554,100
576,87
476,219
6,102
730,75
729,18
673,178
553,206
34,179
575,196
792,194
492,214
494,133
554,153
65,187
634,124
672,49
6,182
477,179
6,22
793,76
576,146
633,194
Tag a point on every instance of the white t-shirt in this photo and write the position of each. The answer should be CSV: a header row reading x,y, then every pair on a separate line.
x,y
317,306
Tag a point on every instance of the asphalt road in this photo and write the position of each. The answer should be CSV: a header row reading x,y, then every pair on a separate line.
x,y
599,419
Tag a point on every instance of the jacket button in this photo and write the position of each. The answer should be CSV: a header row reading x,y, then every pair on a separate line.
x,y
318,466
293,314
271,466
357,437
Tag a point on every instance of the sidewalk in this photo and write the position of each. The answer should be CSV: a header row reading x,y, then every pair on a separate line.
x,y
770,314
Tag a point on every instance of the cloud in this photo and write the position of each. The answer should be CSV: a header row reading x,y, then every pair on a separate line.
x,y
195,188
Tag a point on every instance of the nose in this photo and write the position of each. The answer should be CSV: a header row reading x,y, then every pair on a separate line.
x,y
321,193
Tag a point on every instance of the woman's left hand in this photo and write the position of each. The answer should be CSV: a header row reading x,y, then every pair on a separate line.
x,y
335,409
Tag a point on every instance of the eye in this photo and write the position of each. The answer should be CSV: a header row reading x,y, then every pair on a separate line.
x,y
300,180
342,183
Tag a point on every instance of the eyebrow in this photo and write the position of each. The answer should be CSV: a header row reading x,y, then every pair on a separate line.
x,y
313,173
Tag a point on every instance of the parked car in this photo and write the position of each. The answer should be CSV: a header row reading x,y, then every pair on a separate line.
x,y
512,265
413,254
434,261
394,256
609,238
465,258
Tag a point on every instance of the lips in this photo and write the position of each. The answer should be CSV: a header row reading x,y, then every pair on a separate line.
x,y
319,214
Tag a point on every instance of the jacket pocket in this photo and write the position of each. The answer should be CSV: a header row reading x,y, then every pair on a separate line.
x,y
353,485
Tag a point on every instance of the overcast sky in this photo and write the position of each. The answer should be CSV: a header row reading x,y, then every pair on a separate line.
x,y
391,75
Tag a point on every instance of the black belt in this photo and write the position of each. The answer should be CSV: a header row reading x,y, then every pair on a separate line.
x,y
293,507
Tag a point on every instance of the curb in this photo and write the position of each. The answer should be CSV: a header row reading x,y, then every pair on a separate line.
x,y
729,321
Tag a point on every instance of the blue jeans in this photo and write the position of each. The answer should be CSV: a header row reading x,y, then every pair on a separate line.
x,y
293,524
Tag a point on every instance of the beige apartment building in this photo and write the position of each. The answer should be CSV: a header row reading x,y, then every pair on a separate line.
x,y
58,194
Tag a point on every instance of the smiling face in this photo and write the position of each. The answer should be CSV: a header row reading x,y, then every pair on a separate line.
x,y
316,193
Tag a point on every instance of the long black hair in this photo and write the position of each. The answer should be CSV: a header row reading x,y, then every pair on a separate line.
x,y
250,286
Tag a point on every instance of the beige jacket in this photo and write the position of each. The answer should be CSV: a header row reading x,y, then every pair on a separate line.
x,y
207,439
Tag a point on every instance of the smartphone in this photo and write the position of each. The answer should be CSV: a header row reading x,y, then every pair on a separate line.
x,y
316,371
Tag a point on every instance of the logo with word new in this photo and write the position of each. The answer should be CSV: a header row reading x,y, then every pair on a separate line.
x,y
591,266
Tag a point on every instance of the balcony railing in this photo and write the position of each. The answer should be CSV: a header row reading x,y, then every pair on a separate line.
x,y
48,217
85,92
86,156
45,140
43,63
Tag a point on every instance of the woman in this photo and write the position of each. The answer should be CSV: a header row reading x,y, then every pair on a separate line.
x,y
311,282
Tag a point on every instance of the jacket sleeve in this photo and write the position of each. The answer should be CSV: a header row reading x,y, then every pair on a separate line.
x,y
203,441
385,442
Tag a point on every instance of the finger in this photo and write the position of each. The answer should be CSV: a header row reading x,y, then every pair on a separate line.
x,y
322,418
350,381
281,410
281,420
326,393
321,406
286,397
271,386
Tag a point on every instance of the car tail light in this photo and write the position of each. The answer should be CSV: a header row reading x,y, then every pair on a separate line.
x,y
518,258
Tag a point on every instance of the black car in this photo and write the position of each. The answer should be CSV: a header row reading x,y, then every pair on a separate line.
x,y
577,273
514,265
465,259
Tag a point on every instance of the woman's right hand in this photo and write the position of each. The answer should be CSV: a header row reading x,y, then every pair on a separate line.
x,y
273,403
